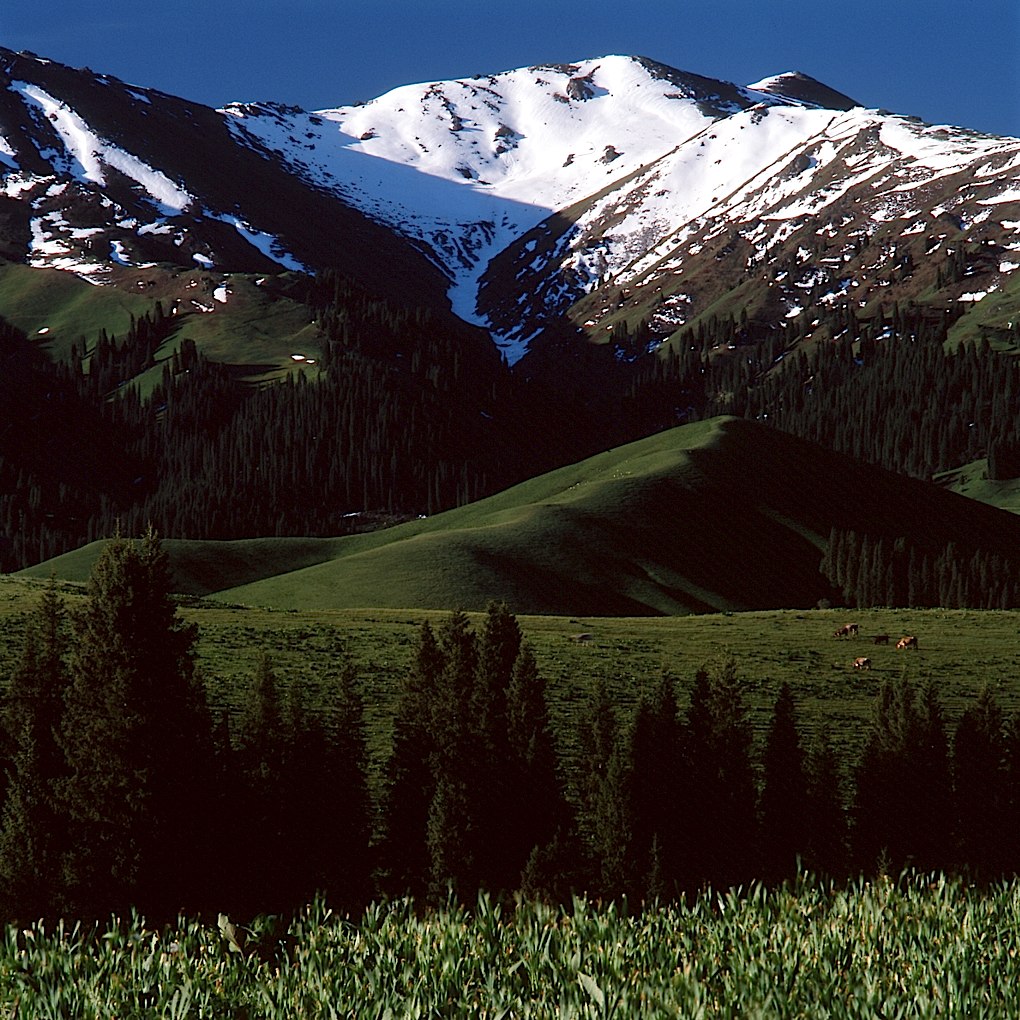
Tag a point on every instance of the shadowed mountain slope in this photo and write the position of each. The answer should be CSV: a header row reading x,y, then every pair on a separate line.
x,y
719,515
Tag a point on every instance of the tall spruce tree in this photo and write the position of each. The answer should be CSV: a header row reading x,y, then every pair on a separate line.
x,y
827,851
604,820
455,850
903,783
409,786
137,740
539,826
31,824
981,759
783,806
342,818
722,846
656,790
265,741
496,774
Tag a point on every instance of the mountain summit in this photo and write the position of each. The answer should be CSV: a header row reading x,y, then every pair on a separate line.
x,y
586,197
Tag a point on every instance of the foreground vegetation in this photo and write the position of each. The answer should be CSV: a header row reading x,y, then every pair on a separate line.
x,y
925,946
463,770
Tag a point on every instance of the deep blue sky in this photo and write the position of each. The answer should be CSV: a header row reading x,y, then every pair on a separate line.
x,y
947,61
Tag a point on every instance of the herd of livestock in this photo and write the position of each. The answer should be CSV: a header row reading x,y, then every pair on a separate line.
x,y
853,630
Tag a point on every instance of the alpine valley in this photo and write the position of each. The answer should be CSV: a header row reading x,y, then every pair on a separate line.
x,y
533,288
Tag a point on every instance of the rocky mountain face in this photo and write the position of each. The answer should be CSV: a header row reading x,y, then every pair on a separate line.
x,y
104,179
608,198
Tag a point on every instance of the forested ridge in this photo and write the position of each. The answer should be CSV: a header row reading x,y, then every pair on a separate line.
x,y
123,790
410,414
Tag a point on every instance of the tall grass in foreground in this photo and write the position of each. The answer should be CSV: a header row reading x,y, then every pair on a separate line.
x,y
921,947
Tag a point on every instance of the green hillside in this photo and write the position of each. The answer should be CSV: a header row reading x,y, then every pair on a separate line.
x,y
721,515
200,568
972,481
259,326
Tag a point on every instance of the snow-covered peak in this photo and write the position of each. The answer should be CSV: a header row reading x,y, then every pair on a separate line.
x,y
802,88
466,166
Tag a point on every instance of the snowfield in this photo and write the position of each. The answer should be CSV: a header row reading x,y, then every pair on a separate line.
x,y
531,188
467,167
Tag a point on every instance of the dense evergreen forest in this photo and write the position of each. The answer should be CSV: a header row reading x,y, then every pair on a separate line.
x,y
412,413
123,791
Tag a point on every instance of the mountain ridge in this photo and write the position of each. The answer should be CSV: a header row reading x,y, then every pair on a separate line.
x,y
721,515
427,189
480,280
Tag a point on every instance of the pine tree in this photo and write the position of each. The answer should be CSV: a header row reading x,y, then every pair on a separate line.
x,y
783,806
265,740
535,808
343,838
721,849
31,826
655,791
604,822
980,747
903,793
496,775
409,779
455,852
137,740
826,852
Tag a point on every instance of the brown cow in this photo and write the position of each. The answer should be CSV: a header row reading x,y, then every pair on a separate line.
x,y
847,630
909,641
862,662
881,639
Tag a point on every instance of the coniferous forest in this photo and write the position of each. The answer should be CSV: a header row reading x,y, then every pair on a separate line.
x,y
411,414
124,790
116,767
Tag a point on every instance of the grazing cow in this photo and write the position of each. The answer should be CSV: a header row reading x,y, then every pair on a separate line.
x,y
907,642
881,639
862,662
847,630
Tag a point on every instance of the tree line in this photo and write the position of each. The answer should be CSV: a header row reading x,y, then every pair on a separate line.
x,y
875,571
411,413
408,414
122,789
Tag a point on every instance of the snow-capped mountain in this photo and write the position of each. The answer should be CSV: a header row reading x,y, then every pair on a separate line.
x,y
588,193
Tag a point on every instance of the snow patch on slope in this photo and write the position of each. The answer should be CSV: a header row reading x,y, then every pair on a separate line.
x,y
87,156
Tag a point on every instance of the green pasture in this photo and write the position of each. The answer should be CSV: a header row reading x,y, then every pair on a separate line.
x,y
959,650
257,329
64,305
724,515
993,318
971,480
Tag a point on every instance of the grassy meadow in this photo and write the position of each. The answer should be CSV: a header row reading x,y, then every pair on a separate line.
x,y
724,515
961,650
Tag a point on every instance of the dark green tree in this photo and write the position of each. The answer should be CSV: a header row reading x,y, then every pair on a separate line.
x,y
903,791
539,824
981,759
827,850
604,821
341,831
455,852
656,789
722,848
31,824
783,807
496,777
409,787
267,742
137,741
